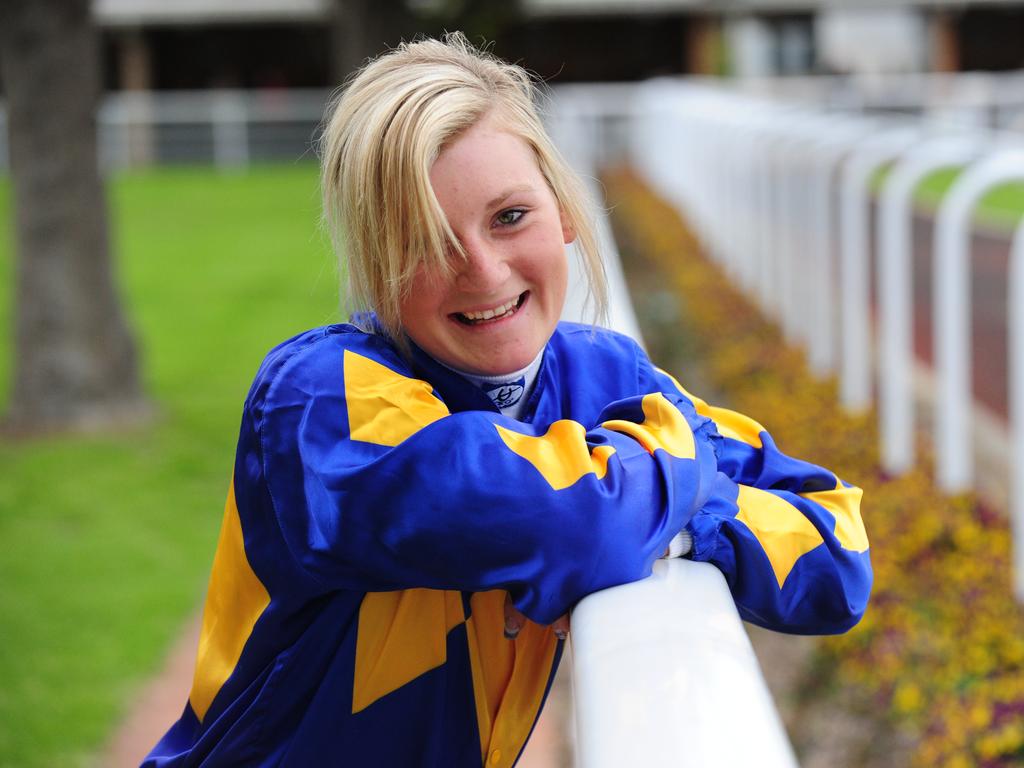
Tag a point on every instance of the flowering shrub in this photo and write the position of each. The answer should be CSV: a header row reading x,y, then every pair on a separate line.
x,y
941,648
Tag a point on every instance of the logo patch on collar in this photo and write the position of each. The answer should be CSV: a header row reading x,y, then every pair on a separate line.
x,y
505,394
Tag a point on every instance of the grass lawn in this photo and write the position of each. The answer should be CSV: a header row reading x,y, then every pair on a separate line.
x,y
106,541
1002,207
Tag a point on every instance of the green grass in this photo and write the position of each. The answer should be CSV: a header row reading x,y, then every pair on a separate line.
x,y
106,542
1002,207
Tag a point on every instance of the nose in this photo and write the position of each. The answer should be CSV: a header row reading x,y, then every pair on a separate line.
x,y
484,269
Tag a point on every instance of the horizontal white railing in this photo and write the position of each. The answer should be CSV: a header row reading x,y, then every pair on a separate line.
x,y
663,672
229,129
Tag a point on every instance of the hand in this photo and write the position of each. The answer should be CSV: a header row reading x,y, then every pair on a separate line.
x,y
515,621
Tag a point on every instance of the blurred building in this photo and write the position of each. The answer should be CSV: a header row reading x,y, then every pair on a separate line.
x,y
240,81
198,44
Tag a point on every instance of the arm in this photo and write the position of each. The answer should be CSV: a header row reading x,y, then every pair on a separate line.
x,y
787,534
375,486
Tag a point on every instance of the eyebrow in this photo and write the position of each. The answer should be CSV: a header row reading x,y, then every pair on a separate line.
x,y
508,193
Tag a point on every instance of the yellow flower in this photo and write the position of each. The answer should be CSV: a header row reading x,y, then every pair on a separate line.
x,y
979,715
907,698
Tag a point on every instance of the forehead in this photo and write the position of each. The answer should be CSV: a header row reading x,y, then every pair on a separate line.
x,y
483,161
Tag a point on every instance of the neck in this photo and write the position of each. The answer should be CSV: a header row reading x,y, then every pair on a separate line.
x,y
508,391
498,377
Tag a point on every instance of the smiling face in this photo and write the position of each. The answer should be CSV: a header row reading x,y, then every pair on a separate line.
x,y
497,308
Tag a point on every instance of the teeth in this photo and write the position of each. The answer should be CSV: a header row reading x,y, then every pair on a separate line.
x,y
489,314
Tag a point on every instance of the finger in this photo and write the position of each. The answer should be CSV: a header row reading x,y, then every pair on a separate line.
x,y
561,627
514,620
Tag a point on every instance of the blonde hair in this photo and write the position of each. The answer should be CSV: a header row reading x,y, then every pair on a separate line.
x,y
384,133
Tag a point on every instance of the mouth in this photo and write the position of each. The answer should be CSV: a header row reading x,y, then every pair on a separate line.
x,y
494,314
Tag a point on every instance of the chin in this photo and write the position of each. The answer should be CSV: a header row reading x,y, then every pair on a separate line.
x,y
502,369
495,360
510,364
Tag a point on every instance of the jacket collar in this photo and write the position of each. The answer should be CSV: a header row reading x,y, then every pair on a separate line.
x,y
458,393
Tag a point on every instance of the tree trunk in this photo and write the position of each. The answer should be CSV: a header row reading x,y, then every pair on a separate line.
x,y
75,363
362,29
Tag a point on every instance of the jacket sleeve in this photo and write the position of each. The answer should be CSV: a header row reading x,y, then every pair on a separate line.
x,y
787,534
375,486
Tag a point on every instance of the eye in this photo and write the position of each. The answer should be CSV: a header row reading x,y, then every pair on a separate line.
x,y
510,217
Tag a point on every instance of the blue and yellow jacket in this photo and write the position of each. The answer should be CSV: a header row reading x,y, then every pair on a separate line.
x,y
381,509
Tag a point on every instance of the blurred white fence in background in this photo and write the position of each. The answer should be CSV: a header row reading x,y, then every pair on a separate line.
x,y
226,128
662,671
778,179
965,99
230,128
952,316
895,332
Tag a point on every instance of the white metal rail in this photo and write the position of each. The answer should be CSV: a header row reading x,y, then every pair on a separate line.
x,y
952,318
1016,352
895,298
663,672
868,156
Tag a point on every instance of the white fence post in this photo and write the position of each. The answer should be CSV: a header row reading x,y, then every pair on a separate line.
x,y
230,132
838,137
1016,393
895,294
778,287
854,263
748,188
765,230
793,213
952,320
803,258
5,152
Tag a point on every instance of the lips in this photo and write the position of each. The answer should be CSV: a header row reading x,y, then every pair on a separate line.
x,y
492,314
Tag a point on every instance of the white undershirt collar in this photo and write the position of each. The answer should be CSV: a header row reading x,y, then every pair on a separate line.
x,y
508,391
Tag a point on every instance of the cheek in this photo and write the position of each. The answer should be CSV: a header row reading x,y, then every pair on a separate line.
x,y
407,314
547,257
423,300
558,264
551,275
561,279
416,315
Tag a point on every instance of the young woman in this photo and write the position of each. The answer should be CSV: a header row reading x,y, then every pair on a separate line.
x,y
420,497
